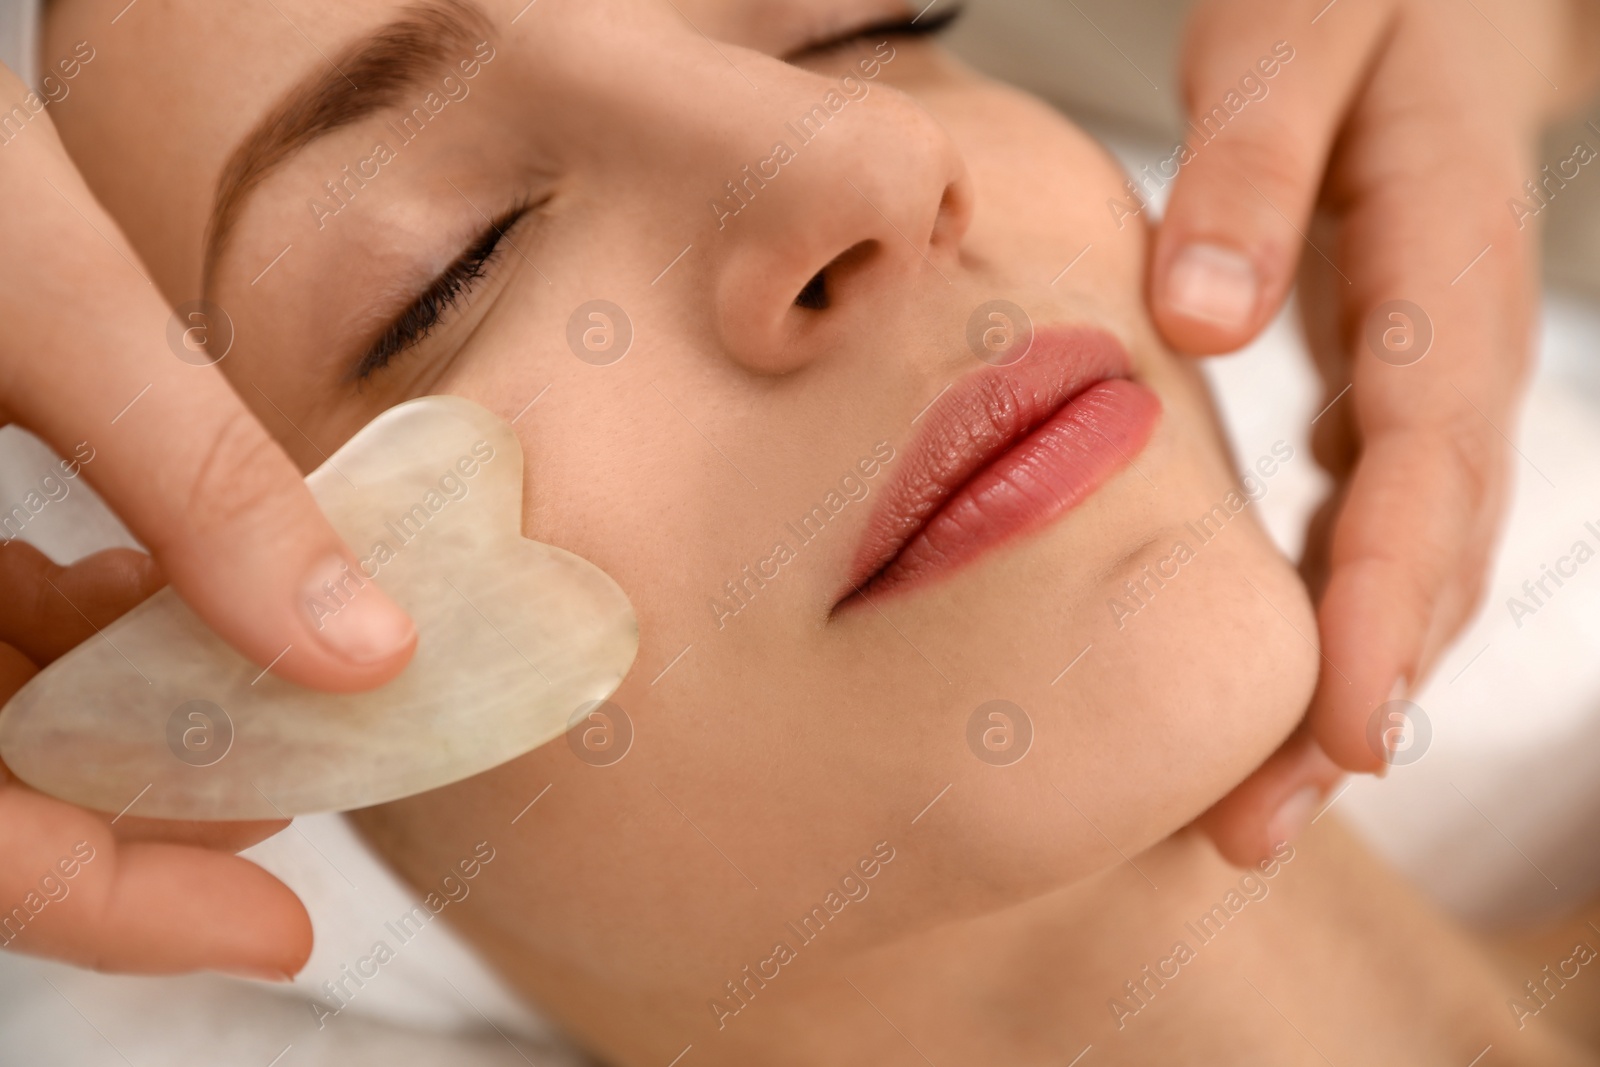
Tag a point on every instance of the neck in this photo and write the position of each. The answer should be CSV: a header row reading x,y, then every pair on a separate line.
x,y
1172,951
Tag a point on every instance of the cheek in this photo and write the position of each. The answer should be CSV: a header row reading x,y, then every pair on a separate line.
x,y
1044,191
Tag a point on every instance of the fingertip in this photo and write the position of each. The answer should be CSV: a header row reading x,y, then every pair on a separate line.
x,y
1292,815
300,948
329,628
1332,719
1370,637
246,545
15,671
1207,296
181,909
355,621
1276,804
1239,844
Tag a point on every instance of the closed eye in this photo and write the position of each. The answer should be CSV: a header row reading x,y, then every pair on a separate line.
x,y
925,24
443,295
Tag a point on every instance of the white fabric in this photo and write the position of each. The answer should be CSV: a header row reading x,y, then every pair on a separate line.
x,y
19,37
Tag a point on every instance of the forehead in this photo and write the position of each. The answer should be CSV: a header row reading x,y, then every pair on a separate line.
x,y
177,84
222,58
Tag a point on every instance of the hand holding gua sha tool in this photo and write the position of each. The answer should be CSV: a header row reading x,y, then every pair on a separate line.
x,y
513,637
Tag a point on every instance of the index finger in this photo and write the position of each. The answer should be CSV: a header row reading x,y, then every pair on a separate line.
x,y
173,450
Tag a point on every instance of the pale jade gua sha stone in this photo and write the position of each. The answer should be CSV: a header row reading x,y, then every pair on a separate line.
x,y
515,638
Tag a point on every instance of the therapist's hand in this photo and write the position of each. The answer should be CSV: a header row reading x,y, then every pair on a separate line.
x,y
121,894
85,362
1405,127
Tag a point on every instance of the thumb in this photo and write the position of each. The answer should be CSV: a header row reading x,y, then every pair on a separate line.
x,y
233,526
1279,800
1266,90
229,519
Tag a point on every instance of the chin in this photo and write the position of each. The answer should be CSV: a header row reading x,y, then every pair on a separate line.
x,y
1232,680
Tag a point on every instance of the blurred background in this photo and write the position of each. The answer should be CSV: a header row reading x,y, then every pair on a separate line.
x,y
1496,815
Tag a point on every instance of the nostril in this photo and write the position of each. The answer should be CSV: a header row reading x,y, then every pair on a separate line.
x,y
819,292
815,293
949,223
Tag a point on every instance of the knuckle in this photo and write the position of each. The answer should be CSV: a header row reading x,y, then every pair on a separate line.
x,y
1419,588
1421,531
1272,152
1267,170
238,477
1477,454
1408,573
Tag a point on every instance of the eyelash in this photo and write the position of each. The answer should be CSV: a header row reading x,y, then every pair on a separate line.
x,y
442,296
457,281
916,26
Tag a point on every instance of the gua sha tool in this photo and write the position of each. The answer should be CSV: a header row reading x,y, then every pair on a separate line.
x,y
159,717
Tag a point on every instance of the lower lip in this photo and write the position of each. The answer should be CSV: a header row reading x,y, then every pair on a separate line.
x,y
1090,438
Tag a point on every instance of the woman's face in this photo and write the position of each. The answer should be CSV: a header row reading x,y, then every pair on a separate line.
x,y
799,354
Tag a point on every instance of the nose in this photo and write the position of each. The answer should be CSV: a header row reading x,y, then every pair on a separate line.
x,y
862,195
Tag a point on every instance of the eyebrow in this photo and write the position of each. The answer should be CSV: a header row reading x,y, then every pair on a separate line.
x,y
361,79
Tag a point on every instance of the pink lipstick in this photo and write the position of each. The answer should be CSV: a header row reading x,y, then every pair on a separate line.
x,y
1005,451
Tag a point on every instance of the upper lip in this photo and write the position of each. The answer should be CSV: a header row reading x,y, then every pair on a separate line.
x,y
978,419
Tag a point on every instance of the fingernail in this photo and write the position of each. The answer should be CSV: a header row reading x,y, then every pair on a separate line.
x,y
1213,284
351,615
1293,815
1400,690
255,974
